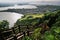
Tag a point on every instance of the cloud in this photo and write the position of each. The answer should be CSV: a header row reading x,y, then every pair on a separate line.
x,y
13,1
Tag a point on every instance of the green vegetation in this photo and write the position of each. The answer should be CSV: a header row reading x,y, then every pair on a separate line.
x,y
30,19
4,25
49,22
45,26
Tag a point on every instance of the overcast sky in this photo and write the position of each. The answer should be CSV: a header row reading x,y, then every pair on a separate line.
x,y
14,1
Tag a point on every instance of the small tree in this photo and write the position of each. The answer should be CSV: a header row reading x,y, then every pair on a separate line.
x,y
4,25
36,34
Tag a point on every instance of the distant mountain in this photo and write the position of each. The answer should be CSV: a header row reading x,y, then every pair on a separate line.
x,y
5,4
23,3
46,3
12,4
31,3
39,9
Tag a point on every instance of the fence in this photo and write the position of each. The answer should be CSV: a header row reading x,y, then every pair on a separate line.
x,y
16,33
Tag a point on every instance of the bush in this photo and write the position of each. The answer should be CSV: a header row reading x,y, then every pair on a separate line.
x,y
4,25
36,34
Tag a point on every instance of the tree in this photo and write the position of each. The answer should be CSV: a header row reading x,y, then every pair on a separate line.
x,y
4,25
36,34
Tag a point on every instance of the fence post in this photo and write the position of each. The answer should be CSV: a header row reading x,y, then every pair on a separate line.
x,y
15,38
13,30
27,30
24,34
19,28
1,36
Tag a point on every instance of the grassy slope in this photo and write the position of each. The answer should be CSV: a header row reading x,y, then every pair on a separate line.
x,y
33,16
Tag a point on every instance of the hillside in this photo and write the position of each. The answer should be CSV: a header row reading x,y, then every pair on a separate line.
x,y
46,26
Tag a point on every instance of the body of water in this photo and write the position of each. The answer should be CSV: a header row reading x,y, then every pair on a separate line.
x,y
18,7
11,17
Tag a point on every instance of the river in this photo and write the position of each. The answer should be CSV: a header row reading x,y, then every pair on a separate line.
x,y
11,17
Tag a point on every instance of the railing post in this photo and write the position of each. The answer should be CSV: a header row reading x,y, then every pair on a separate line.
x,y
13,30
27,30
24,34
1,37
19,28
15,38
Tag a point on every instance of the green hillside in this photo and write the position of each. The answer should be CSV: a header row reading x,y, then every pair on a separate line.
x,y
47,25
44,26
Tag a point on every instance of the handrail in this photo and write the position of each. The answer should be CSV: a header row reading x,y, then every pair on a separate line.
x,y
19,35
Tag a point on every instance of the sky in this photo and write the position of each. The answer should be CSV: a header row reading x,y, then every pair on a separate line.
x,y
16,1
